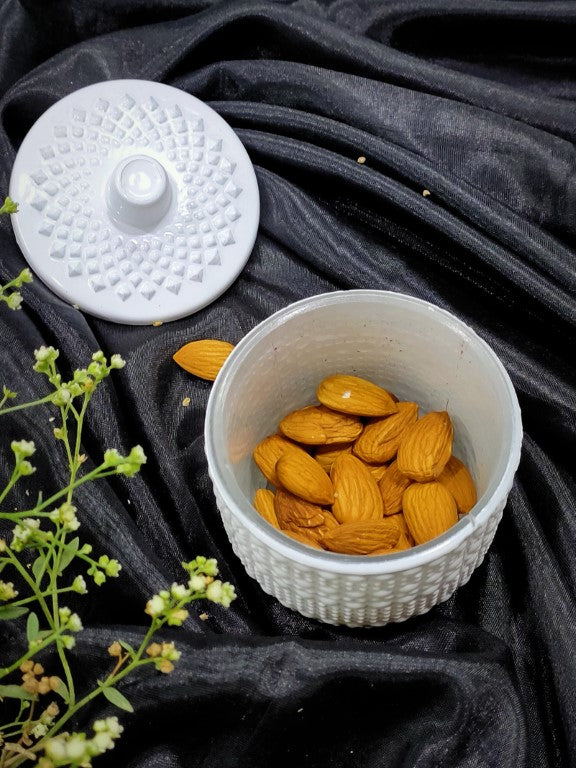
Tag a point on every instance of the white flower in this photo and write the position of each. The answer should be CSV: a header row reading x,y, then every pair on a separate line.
x,y
74,623
197,583
56,749
23,448
214,591
45,353
14,300
155,606
76,748
7,591
79,585
23,532
179,591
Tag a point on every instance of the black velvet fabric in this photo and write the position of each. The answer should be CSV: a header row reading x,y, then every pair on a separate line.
x,y
474,101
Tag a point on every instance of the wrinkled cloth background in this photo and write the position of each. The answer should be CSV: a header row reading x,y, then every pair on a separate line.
x,y
475,101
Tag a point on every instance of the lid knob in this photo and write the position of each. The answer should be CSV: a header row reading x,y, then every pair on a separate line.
x,y
139,193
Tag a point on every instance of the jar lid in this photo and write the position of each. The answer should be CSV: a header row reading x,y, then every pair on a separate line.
x,y
137,202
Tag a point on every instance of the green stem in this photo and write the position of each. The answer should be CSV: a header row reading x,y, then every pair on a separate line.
x,y
34,598
10,484
96,474
32,584
29,654
75,465
31,404
110,682
57,559
18,720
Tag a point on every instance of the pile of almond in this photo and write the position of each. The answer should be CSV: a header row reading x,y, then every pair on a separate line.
x,y
361,473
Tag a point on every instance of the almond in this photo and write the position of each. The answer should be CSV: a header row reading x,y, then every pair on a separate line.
x,y
429,510
400,522
377,471
203,358
458,480
292,511
381,438
325,455
361,537
355,395
401,545
267,453
264,505
301,474
356,493
316,532
303,538
318,425
392,486
426,447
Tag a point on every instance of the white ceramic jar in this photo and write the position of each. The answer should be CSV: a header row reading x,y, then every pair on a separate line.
x,y
412,348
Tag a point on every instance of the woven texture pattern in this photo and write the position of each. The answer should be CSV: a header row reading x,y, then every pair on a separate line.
x,y
357,600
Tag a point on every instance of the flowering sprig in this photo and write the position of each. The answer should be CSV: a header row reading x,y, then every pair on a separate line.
x,y
36,562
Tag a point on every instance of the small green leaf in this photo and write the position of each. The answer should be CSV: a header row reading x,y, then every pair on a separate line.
x,y
12,612
38,568
69,553
118,699
63,691
15,692
32,627
127,647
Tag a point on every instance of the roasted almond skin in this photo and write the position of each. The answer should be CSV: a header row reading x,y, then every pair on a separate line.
x,y
326,455
303,538
361,537
355,395
264,505
458,480
429,510
356,492
316,532
392,487
318,425
301,474
267,453
203,358
377,471
292,511
380,440
426,447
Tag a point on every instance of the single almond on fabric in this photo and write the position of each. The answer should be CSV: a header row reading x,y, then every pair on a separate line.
x,y
203,358
301,474
361,537
267,453
429,510
303,538
381,438
458,480
318,425
293,511
356,492
392,486
355,395
426,447
326,455
264,505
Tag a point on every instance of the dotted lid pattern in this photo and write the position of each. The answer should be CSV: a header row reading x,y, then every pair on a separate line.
x,y
137,202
